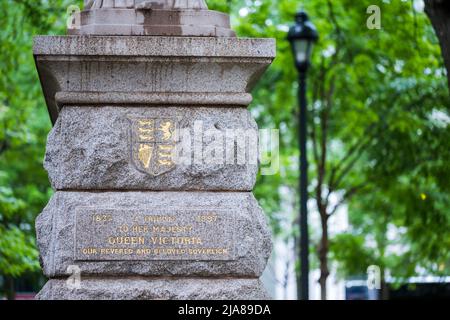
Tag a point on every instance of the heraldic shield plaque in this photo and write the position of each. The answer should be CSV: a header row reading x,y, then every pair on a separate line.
x,y
153,143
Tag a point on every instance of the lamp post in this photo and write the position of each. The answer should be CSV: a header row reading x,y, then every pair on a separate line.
x,y
302,37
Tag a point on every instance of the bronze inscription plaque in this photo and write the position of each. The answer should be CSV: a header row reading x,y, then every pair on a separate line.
x,y
179,234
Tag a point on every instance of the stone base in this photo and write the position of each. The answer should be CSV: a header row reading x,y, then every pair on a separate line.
x,y
93,148
120,70
155,289
242,228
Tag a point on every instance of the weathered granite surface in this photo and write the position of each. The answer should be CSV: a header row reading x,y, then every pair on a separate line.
x,y
156,22
147,46
252,240
92,148
155,17
225,70
160,289
149,4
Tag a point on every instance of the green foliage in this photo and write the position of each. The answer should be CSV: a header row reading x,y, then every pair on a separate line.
x,y
18,256
24,124
352,249
374,96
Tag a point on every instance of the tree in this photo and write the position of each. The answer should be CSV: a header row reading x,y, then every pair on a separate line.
x,y
363,65
367,88
24,124
439,13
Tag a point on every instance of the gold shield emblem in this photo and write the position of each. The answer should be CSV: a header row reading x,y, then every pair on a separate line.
x,y
153,145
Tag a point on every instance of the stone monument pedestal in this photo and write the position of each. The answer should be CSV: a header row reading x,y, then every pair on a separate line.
x,y
137,222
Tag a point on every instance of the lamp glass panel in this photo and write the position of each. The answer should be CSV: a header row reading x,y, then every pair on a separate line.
x,y
303,49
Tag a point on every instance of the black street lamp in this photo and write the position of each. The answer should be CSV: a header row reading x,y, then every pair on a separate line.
x,y
302,37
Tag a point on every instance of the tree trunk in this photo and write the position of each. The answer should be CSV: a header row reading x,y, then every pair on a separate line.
x,y
384,295
9,288
323,255
439,13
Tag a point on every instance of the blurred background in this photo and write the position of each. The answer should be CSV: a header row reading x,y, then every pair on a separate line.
x,y
378,147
